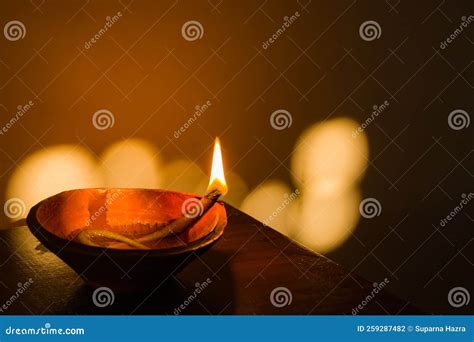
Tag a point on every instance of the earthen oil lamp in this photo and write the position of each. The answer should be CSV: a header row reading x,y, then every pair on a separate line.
x,y
130,239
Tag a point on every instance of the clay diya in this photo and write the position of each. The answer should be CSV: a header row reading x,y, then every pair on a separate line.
x,y
130,239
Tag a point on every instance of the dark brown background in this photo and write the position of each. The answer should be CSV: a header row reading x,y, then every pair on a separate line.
x,y
151,78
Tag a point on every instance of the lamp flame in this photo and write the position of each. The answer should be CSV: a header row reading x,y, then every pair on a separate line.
x,y
217,179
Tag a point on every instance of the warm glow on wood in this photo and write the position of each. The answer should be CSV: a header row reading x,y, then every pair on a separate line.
x,y
217,180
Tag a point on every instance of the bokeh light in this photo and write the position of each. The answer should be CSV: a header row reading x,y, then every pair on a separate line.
x,y
52,170
327,151
131,163
327,165
264,200
184,175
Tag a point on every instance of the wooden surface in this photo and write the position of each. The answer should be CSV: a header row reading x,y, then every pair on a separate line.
x,y
244,267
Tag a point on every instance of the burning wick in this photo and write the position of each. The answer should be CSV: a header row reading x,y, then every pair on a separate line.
x,y
217,187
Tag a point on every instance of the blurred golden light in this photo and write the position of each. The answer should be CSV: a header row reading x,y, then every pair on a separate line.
x,y
328,151
52,170
131,163
325,220
184,175
217,179
266,203
328,162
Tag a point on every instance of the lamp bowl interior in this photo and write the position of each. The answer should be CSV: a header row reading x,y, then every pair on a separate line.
x,y
56,220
